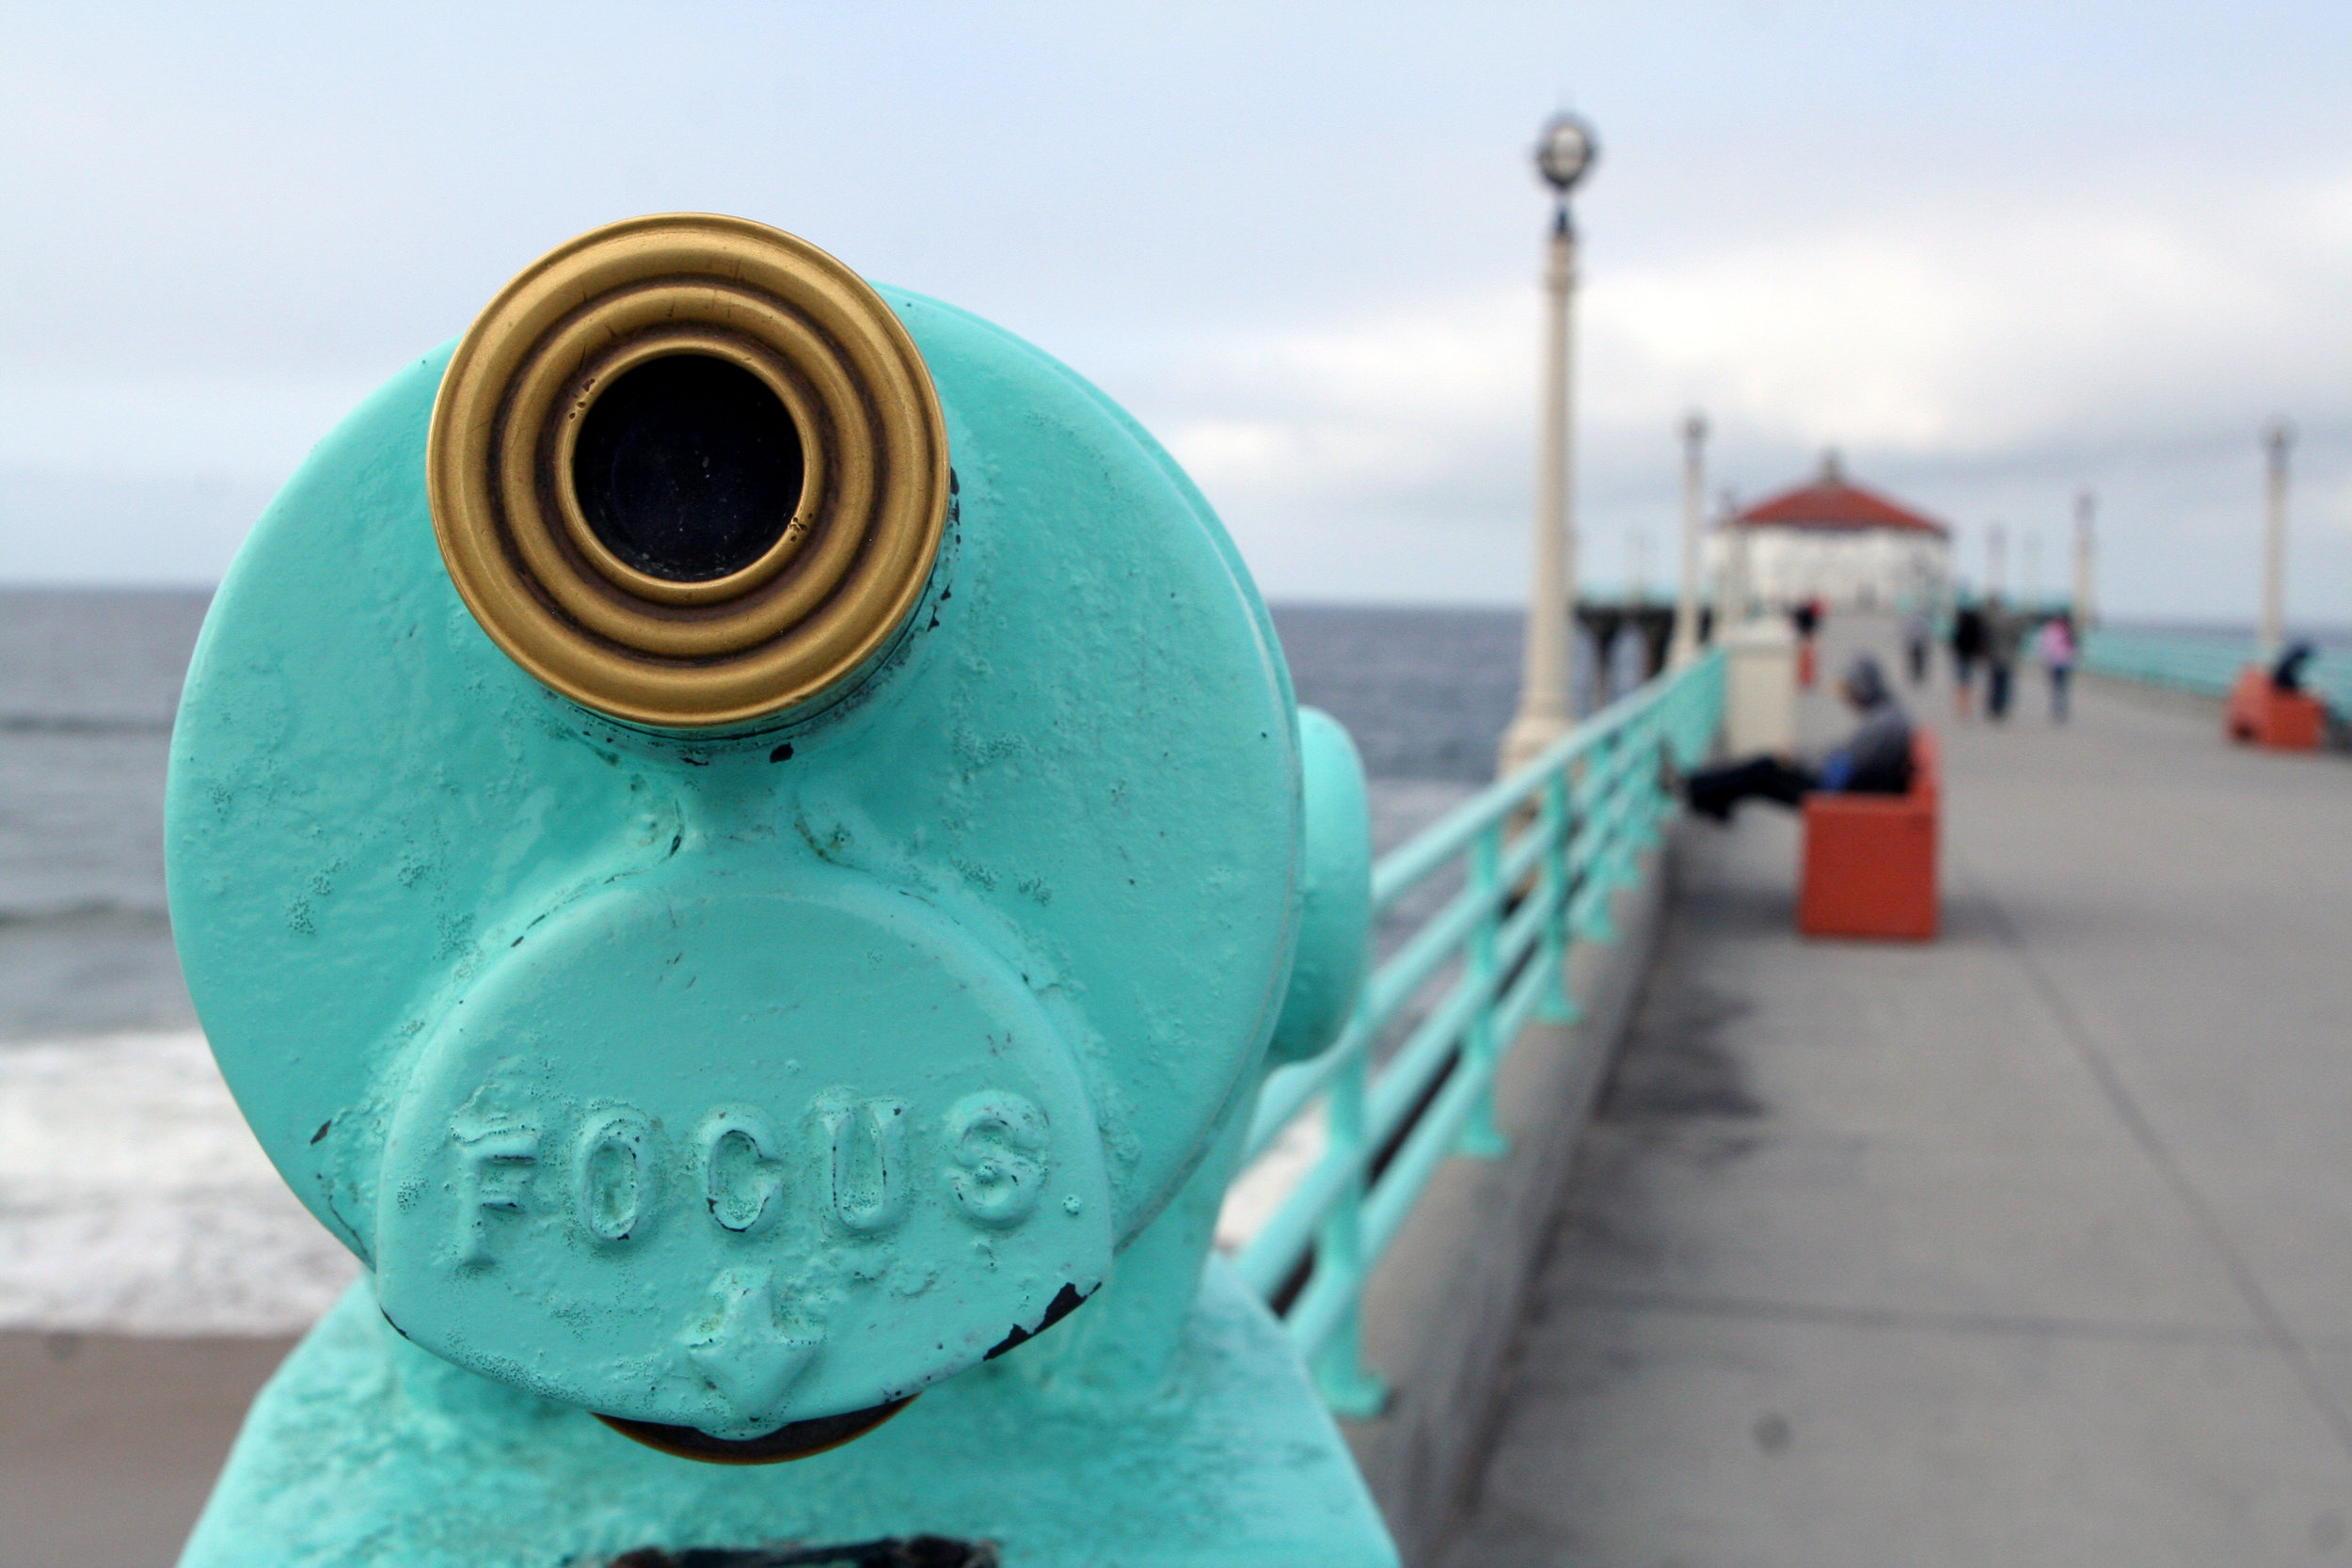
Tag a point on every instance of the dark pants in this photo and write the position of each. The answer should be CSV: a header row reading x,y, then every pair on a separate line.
x,y
1918,655
1716,790
1997,677
2058,690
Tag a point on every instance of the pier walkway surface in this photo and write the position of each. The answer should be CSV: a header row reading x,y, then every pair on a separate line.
x,y
2030,1246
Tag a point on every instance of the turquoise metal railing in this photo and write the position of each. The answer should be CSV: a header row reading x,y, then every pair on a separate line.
x,y
2206,663
1541,852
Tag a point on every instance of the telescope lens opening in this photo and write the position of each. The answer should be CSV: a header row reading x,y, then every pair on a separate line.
x,y
687,468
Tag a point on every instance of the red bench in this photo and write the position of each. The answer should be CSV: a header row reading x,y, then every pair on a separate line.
x,y
2260,712
1869,860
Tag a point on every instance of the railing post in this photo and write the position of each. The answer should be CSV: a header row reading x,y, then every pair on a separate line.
x,y
1590,814
1480,1138
1651,751
1600,839
1347,1386
1557,1005
1637,788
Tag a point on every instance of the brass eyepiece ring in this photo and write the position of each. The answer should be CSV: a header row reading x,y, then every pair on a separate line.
x,y
689,471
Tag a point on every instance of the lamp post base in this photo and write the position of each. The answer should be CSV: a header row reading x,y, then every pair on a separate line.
x,y
1760,690
1529,735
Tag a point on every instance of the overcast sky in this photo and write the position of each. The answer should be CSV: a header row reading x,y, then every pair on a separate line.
x,y
1994,253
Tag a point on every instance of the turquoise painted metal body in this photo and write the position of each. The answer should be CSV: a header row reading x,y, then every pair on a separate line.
x,y
725,1082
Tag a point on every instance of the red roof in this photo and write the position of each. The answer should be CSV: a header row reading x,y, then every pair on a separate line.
x,y
1829,502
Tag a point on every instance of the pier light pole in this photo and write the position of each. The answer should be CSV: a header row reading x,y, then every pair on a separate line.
x,y
2271,638
1731,585
1562,157
1996,565
1686,642
2084,606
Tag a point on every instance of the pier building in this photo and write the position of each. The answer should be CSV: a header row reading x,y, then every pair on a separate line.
x,y
1839,542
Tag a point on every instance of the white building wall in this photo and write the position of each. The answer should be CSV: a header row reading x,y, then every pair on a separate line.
x,y
1861,568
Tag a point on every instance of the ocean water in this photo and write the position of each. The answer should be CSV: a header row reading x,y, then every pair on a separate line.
x,y
87,685
1425,692
89,680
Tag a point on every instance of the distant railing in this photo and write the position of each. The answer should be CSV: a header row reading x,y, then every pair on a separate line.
x,y
2206,664
1542,852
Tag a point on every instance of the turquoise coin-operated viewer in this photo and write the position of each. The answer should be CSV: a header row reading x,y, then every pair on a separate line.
x,y
744,842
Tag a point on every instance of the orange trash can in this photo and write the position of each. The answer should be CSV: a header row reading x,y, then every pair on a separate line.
x,y
2285,720
1870,865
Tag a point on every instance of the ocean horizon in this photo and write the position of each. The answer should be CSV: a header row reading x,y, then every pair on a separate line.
x,y
90,681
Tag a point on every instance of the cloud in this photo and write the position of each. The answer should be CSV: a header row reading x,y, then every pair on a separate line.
x,y
1993,358
1973,330
1974,248
247,425
1353,410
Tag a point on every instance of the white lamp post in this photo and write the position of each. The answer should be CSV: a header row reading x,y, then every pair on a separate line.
x,y
2086,610
1686,642
2272,637
1731,582
1562,157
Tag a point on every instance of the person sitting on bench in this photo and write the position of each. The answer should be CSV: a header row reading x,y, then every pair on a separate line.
x,y
1875,759
2287,674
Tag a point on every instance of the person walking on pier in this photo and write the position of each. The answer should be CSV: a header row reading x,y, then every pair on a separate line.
x,y
2004,643
1807,617
2056,649
1875,759
1967,653
1918,631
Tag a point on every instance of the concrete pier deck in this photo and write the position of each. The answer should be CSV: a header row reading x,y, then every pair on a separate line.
x,y
2032,1247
